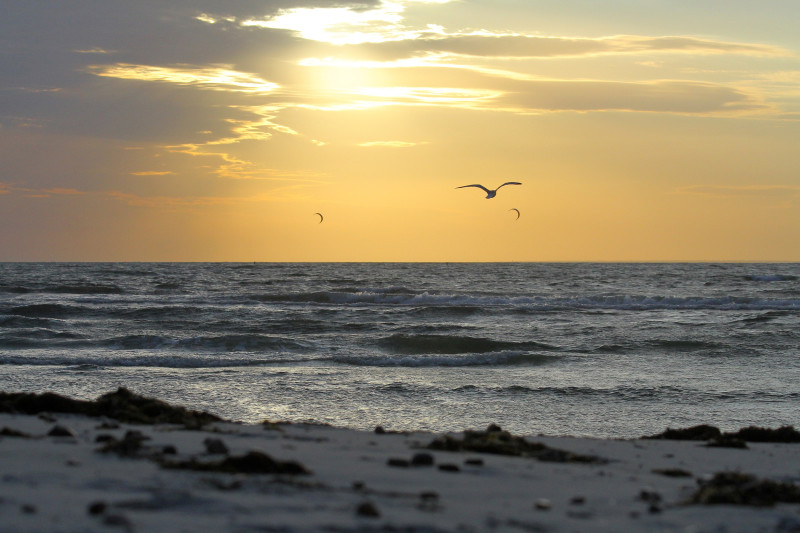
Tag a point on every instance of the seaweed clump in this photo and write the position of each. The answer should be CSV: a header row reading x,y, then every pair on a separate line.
x,y
122,405
701,432
758,434
744,489
785,434
499,442
253,462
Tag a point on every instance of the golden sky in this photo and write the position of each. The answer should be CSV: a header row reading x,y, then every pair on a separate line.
x,y
214,130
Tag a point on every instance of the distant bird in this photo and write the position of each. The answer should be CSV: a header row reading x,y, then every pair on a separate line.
x,y
490,193
517,210
320,217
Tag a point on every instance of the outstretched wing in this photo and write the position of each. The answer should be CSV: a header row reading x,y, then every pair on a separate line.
x,y
475,185
510,183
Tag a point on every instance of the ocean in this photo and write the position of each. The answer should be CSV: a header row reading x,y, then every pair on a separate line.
x,y
593,350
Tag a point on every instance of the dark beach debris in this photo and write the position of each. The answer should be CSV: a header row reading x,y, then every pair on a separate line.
x,y
97,508
744,489
672,472
253,462
422,459
701,432
368,509
497,441
449,467
9,432
215,446
129,446
652,499
758,434
786,434
121,405
398,462
474,461
61,431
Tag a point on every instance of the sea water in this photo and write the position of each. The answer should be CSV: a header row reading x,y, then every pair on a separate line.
x,y
600,350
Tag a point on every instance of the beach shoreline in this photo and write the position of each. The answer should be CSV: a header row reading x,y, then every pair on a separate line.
x,y
73,471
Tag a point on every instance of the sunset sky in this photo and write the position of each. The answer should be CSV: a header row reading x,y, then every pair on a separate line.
x,y
213,130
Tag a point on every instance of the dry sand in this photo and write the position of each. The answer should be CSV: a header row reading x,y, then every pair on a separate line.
x,y
97,474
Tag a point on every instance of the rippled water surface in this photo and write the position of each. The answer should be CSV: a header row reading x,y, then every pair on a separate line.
x,y
607,350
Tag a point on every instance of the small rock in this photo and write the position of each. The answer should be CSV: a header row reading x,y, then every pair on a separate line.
x,y
577,500
379,430
169,449
449,467
27,508
402,463
422,459
215,446
359,485
96,508
493,428
61,431
475,461
543,504
368,509
8,432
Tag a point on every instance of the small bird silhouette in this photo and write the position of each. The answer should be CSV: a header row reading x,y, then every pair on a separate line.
x,y
517,210
320,217
490,193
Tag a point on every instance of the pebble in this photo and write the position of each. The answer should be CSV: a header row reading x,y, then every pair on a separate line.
x,y
543,504
422,459
61,431
368,509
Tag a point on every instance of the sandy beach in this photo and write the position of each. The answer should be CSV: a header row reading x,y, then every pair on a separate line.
x,y
72,471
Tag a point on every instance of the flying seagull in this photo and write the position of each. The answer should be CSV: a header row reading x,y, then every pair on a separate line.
x,y
489,193
320,217
517,210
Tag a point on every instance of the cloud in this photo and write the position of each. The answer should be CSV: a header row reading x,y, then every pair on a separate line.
x,y
660,96
485,44
221,78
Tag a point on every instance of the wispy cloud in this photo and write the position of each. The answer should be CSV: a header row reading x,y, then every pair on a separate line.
x,y
218,78
487,44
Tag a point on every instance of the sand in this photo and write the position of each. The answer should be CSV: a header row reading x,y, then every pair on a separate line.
x,y
74,472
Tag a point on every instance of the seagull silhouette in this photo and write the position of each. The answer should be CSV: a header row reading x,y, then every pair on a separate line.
x,y
320,217
517,210
490,193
